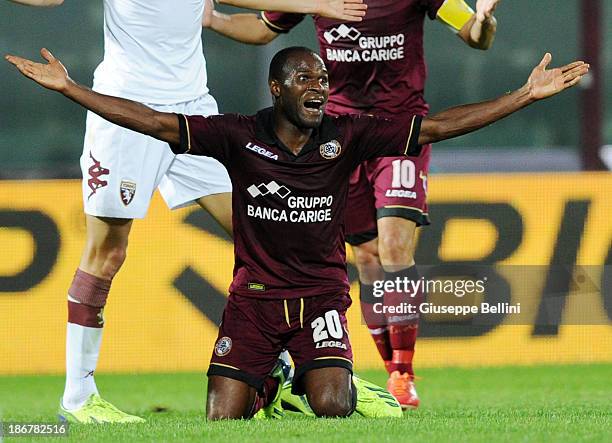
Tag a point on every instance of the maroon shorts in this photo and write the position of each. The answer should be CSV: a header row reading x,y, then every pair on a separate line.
x,y
386,187
254,331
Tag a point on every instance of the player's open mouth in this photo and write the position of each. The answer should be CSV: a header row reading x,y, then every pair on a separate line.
x,y
314,105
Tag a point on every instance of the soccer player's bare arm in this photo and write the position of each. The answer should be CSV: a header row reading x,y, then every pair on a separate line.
x,y
44,3
477,29
541,84
122,112
349,10
245,28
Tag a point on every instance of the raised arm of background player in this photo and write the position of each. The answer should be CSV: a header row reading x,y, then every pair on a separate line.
x,y
476,29
38,2
542,83
349,10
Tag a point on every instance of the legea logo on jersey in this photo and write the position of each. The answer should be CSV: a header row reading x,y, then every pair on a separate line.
x,y
341,31
261,151
271,188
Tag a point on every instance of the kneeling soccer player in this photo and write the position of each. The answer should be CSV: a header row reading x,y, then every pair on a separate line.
x,y
290,167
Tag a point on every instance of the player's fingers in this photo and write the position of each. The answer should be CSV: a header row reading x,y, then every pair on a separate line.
x,y
46,54
14,60
571,66
578,72
348,2
545,61
573,82
356,7
577,68
352,18
21,63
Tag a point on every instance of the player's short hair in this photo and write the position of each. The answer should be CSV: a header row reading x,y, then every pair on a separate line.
x,y
279,63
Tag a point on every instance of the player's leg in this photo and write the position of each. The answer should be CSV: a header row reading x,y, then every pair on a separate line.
x,y
362,235
330,391
400,194
220,207
194,179
321,350
102,257
241,374
228,398
402,331
116,189
370,270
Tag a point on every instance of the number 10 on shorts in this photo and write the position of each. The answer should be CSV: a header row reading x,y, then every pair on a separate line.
x,y
404,174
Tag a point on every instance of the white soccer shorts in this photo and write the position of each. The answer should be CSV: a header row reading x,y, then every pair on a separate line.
x,y
122,168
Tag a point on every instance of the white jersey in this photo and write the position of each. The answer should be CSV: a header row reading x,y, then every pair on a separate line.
x,y
153,51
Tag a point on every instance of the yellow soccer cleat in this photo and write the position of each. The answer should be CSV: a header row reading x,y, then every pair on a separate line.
x,y
374,401
97,410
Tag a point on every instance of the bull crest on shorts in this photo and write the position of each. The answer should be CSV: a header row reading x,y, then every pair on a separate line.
x,y
330,150
127,189
223,346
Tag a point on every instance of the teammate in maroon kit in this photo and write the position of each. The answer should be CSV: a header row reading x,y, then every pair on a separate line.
x,y
377,67
290,167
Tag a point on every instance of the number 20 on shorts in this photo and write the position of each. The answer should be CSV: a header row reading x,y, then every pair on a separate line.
x,y
327,326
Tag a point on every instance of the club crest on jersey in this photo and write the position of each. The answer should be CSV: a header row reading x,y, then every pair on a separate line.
x,y
330,149
127,189
223,346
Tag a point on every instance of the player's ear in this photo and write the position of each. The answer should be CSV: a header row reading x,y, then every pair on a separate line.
x,y
275,88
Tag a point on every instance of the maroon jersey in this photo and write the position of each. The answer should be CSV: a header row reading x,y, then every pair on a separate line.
x,y
288,210
376,65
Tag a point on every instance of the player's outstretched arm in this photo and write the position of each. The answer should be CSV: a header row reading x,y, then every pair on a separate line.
x,y
542,83
349,10
122,112
38,2
244,28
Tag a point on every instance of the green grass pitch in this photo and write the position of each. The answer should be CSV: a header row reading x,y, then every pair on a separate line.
x,y
545,403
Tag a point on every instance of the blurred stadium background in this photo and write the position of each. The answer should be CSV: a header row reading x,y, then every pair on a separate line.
x,y
513,194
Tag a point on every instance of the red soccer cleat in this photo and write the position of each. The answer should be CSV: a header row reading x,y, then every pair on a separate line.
x,y
402,388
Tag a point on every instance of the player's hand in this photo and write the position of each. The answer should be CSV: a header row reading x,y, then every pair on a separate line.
x,y
209,10
347,10
52,75
485,9
544,82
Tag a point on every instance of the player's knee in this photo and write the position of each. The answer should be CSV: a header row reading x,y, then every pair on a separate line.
x,y
115,258
222,414
104,260
396,248
331,403
368,262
